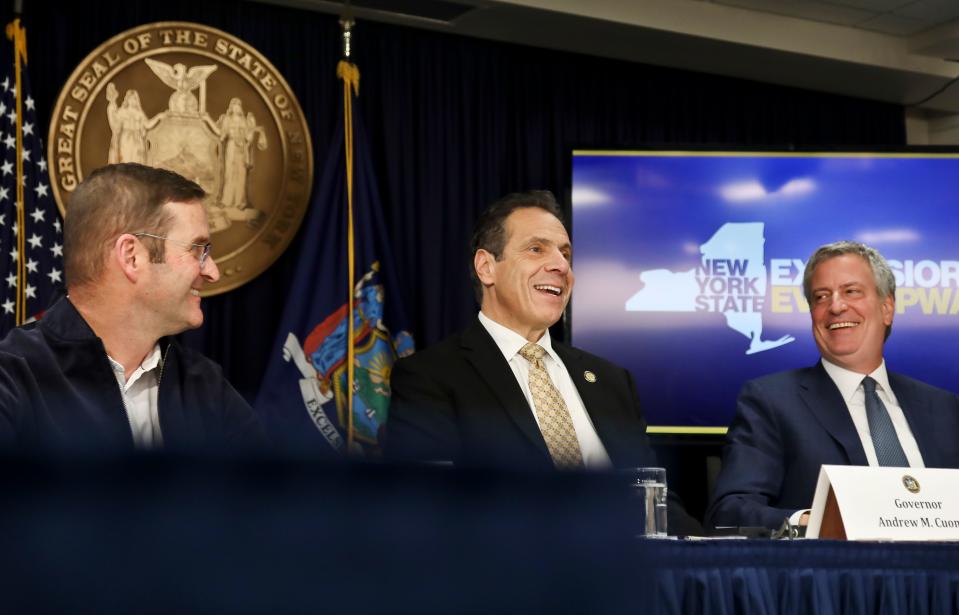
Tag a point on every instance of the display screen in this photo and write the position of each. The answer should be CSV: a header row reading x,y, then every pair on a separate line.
x,y
689,265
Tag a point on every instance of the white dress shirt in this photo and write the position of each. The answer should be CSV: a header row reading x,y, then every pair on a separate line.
x,y
139,394
509,342
850,386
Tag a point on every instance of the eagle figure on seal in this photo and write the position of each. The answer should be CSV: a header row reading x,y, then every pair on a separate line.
x,y
183,81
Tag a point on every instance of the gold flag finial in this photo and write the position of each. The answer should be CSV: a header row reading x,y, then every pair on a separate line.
x,y
349,73
18,34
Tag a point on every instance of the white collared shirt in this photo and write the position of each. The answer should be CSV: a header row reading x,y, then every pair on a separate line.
x,y
509,342
140,399
850,387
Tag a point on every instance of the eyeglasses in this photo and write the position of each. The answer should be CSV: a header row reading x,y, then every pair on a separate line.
x,y
200,251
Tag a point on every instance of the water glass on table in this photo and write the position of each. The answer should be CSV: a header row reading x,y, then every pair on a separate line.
x,y
648,500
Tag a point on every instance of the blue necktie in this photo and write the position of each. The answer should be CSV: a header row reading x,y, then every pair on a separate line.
x,y
884,439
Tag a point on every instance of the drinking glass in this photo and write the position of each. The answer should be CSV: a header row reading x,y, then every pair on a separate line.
x,y
648,500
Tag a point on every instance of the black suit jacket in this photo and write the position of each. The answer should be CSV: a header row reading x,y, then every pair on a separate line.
x,y
459,401
789,424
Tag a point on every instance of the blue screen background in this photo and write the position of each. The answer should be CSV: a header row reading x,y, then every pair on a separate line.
x,y
635,212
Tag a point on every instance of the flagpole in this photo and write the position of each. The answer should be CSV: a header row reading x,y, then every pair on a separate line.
x,y
18,35
348,72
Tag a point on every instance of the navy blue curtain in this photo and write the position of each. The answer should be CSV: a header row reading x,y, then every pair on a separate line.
x,y
453,123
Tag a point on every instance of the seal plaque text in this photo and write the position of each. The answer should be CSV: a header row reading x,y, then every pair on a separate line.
x,y
203,103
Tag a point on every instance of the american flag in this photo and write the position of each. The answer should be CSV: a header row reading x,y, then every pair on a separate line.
x,y
42,226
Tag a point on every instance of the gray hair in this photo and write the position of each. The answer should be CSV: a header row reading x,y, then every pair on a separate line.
x,y
885,280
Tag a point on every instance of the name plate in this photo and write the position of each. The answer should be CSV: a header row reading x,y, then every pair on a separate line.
x,y
870,503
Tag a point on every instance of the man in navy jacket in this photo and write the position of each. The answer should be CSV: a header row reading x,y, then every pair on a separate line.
x,y
789,424
100,370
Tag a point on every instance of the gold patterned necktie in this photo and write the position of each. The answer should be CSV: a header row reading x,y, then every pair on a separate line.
x,y
554,419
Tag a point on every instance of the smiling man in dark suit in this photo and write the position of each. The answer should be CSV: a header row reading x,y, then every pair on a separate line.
x,y
847,409
470,400
502,393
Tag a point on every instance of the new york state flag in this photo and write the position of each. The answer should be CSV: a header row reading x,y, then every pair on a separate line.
x,y
305,398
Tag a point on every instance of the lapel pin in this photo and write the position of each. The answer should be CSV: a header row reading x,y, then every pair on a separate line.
x,y
589,376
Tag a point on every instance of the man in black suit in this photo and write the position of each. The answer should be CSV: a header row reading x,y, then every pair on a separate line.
x,y
502,393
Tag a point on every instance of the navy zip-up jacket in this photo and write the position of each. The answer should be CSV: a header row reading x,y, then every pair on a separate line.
x,y
58,392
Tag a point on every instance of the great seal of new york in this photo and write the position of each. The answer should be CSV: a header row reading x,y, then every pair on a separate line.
x,y
201,102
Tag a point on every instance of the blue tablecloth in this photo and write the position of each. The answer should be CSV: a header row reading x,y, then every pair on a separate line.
x,y
806,576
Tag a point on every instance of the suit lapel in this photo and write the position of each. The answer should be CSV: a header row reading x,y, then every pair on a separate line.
x,y
920,417
597,403
824,401
490,365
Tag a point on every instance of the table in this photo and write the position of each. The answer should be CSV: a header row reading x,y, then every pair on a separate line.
x,y
171,534
803,576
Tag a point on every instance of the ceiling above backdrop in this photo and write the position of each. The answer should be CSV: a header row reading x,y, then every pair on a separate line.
x,y
900,51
